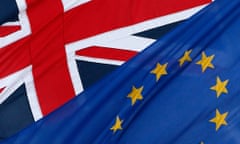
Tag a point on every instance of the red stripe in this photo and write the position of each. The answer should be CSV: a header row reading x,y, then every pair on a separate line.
x,y
107,53
1,89
6,30
48,58
14,57
100,16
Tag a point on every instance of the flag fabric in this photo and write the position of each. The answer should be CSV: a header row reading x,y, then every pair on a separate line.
x,y
180,90
51,50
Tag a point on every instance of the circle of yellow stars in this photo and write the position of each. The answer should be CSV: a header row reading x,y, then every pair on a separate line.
x,y
161,69
136,93
219,87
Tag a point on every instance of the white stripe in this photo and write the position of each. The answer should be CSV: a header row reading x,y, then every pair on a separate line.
x,y
72,67
32,96
128,43
99,60
69,4
16,23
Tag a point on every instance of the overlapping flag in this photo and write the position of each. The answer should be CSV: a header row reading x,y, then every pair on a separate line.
x,y
51,50
183,89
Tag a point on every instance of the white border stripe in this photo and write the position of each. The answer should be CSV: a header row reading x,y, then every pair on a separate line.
x,y
32,96
99,60
130,42
73,71
69,4
16,23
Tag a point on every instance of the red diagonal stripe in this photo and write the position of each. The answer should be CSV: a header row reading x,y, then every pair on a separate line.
x,y
6,30
99,16
107,53
14,57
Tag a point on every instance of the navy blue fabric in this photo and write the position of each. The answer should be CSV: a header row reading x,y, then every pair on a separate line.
x,y
158,32
177,109
90,72
15,113
8,11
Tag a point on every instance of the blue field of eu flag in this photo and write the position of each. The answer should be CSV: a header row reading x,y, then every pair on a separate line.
x,y
183,89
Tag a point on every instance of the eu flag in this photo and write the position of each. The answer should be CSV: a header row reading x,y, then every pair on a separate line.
x,y
183,89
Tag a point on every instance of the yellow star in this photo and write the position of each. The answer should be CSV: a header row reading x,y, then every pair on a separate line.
x,y
220,87
205,62
117,125
185,57
135,94
219,119
159,70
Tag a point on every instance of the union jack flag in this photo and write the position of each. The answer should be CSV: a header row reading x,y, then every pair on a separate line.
x,y
51,50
